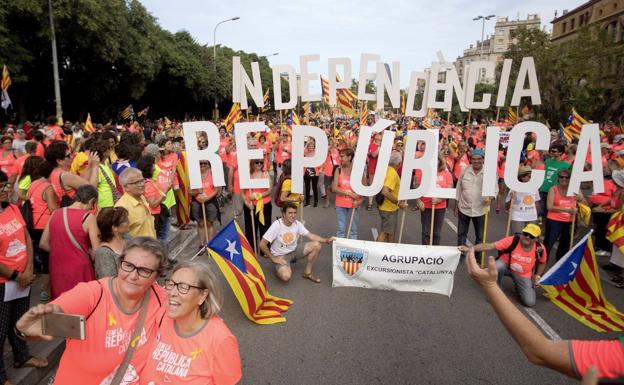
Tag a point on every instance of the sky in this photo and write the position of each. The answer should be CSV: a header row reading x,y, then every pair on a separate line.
x,y
408,31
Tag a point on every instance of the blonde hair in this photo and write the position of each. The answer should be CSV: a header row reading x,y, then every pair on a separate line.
x,y
207,280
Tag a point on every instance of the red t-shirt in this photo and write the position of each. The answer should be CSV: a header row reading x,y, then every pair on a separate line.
x,y
13,252
207,185
522,261
607,356
210,356
108,332
372,160
152,191
444,179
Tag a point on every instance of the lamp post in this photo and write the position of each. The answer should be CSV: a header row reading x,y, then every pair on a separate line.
x,y
55,71
483,19
214,54
273,54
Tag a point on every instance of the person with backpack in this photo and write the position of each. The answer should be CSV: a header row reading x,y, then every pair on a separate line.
x,y
518,256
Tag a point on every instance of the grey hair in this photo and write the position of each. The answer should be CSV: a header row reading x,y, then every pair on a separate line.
x,y
395,159
127,173
86,193
151,245
207,280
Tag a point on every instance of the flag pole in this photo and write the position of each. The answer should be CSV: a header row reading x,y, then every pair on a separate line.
x,y
432,222
469,115
509,217
485,223
205,225
401,228
497,114
301,218
572,231
350,222
448,117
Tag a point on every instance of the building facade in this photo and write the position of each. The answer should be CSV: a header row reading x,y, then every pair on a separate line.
x,y
494,46
606,14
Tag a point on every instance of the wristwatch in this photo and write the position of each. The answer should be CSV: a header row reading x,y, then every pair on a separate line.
x,y
13,276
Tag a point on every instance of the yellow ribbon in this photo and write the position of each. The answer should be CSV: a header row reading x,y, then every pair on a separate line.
x,y
584,213
111,320
259,207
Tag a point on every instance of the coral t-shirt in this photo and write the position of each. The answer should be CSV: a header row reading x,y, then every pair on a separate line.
x,y
607,356
522,261
209,356
108,333
13,253
444,179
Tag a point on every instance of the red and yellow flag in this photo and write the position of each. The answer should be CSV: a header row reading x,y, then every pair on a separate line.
x,y
88,126
364,114
511,116
234,116
236,259
183,196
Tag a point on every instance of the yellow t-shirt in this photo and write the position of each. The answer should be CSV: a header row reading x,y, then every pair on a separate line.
x,y
392,182
287,186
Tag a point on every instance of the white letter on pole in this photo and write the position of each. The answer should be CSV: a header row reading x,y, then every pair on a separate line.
x,y
473,79
366,76
334,84
305,78
194,155
504,82
514,149
291,76
299,161
245,83
411,95
389,81
490,178
527,67
590,136
361,153
244,154
427,164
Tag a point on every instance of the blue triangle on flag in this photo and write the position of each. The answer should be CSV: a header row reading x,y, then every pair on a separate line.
x,y
227,243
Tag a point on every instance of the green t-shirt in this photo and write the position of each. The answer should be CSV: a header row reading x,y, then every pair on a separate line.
x,y
169,200
24,183
552,168
105,193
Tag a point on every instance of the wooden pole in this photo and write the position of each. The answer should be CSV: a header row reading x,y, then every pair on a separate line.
x,y
205,223
485,224
448,117
253,228
432,223
348,233
468,123
572,231
301,216
511,202
497,114
401,228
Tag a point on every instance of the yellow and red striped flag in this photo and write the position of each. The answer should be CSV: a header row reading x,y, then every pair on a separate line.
x,y
615,230
234,116
511,116
325,90
236,259
88,126
364,114
347,92
403,104
183,196
5,101
573,284
265,99
345,103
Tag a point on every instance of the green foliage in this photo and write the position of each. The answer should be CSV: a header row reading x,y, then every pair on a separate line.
x,y
111,53
584,73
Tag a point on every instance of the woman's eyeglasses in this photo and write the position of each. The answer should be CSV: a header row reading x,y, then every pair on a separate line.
x,y
143,272
530,236
183,288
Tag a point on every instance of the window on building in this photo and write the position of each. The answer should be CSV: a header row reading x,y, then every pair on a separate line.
x,y
581,20
564,26
572,24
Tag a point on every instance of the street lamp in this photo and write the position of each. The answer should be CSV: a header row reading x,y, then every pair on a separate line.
x,y
483,18
214,56
273,54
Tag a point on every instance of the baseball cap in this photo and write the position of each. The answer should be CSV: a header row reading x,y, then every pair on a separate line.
x,y
618,177
524,170
532,229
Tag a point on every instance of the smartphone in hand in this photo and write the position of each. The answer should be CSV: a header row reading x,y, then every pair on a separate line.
x,y
64,325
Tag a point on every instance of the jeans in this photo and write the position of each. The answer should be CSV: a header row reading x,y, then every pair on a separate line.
x,y
425,222
556,230
343,215
524,286
311,181
463,224
162,226
543,210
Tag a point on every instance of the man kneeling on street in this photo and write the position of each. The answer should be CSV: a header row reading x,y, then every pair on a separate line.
x,y
283,236
518,255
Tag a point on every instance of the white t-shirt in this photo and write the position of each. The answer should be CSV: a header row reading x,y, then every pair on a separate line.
x,y
523,208
284,238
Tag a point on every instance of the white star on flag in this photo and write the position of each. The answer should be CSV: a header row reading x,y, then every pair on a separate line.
x,y
231,249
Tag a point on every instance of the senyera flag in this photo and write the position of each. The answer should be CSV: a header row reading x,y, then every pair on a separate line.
x,y
238,263
573,284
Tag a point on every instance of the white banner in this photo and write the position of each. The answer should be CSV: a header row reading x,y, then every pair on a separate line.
x,y
393,266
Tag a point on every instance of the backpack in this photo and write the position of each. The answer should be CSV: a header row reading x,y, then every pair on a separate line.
x,y
27,213
379,198
539,249
278,191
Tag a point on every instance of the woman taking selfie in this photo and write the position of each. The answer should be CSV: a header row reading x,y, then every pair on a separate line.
x,y
207,350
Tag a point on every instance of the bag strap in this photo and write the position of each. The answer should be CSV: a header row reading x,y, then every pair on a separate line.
x,y
112,186
134,342
71,236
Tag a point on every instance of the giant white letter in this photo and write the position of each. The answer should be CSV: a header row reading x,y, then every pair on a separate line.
x,y
514,148
244,154
211,153
527,67
299,161
291,77
590,136
473,79
361,153
305,77
390,82
366,76
242,83
334,84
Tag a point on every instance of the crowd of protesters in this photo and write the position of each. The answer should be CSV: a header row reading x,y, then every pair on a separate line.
x,y
86,211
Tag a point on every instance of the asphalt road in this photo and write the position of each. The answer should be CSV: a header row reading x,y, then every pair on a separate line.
x,y
362,336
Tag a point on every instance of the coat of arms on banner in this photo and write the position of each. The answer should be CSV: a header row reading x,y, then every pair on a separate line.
x,y
352,261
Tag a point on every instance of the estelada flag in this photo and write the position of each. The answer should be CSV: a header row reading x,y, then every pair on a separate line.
x,y
573,284
88,126
240,267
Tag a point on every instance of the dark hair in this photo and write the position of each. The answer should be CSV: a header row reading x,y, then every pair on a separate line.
x,y
564,171
3,177
51,120
557,145
109,135
101,147
38,136
6,137
85,193
122,150
129,138
163,141
146,166
109,217
37,168
348,152
287,167
30,147
288,205
56,151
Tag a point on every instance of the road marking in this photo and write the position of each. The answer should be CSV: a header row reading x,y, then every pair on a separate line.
x,y
375,233
542,324
532,313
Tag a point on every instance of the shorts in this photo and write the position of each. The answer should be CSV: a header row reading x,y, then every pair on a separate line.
x,y
197,214
388,221
291,257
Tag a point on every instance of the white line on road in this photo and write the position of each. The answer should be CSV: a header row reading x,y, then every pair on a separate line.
x,y
552,334
375,233
542,324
